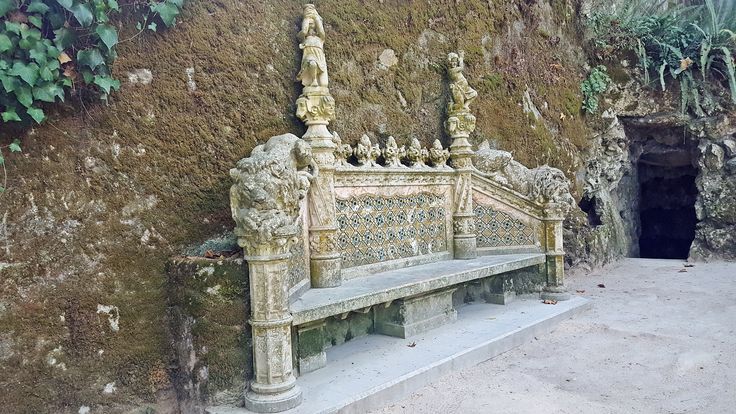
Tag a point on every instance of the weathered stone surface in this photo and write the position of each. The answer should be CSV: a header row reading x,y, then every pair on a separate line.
x,y
209,307
411,316
360,293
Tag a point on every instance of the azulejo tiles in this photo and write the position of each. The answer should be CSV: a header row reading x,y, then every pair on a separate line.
x,y
495,228
374,228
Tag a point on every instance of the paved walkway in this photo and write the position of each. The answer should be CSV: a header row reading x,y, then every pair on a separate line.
x,y
659,338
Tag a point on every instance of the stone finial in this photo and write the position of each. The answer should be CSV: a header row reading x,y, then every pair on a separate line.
x,y
460,122
313,72
438,156
342,151
366,152
315,105
416,155
267,188
462,93
393,154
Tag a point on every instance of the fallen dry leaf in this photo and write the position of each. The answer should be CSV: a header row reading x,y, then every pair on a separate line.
x,y
412,345
689,265
682,271
601,285
685,63
64,58
549,302
580,291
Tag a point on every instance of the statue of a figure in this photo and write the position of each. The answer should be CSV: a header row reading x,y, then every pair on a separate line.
x,y
313,71
462,93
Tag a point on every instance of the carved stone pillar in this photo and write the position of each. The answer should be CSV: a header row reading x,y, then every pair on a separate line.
x,y
555,287
460,123
316,108
463,220
274,386
264,198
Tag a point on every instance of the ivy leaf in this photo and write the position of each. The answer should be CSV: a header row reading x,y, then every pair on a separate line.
x,y
37,6
24,95
63,38
6,6
5,43
35,20
106,83
12,26
38,55
177,3
2,161
14,146
48,92
9,82
82,13
10,115
37,114
152,26
108,34
91,58
28,73
113,5
167,12
67,4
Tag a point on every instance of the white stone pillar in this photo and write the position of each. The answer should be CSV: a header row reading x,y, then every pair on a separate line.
x,y
555,286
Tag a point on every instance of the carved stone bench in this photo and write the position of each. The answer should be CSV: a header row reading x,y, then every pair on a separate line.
x,y
345,240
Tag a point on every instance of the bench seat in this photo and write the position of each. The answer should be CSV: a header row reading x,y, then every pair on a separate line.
x,y
363,292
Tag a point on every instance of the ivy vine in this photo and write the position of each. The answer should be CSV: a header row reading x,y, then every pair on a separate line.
x,y
50,49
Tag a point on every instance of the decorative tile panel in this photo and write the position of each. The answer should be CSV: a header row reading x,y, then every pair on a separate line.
x,y
374,228
495,228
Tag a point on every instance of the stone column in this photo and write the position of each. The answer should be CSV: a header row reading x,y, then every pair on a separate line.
x,y
460,123
316,108
264,198
325,262
463,220
273,388
555,287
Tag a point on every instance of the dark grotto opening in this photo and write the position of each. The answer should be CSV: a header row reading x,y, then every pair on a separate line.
x,y
666,209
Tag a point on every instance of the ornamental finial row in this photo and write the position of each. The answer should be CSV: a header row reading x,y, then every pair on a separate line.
x,y
368,154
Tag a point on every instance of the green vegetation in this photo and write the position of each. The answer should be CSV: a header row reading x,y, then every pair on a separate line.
x,y
692,44
51,48
593,86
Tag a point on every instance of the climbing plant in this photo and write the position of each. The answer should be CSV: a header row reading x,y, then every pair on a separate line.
x,y
692,44
593,86
50,49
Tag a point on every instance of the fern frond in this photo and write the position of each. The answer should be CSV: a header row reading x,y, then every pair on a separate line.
x,y
661,75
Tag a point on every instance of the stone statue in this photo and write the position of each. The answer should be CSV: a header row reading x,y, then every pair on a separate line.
x,y
366,152
462,93
313,71
438,156
342,151
542,184
393,154
416,155
268,186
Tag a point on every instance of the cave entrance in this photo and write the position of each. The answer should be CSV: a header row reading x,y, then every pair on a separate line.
x,y
666,210
657,200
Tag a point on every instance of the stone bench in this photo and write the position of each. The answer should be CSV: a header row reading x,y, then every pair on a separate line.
x,y
385,238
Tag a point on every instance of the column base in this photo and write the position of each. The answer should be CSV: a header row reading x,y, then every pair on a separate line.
x,y
273,403
465,247
557,293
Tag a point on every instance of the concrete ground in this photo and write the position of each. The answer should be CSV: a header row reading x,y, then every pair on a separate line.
x,y
659,338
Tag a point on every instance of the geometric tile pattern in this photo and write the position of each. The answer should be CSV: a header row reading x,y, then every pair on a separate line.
x,y
374,229
297,264
495,228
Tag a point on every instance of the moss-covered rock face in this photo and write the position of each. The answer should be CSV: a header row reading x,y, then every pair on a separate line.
x,y
103,195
